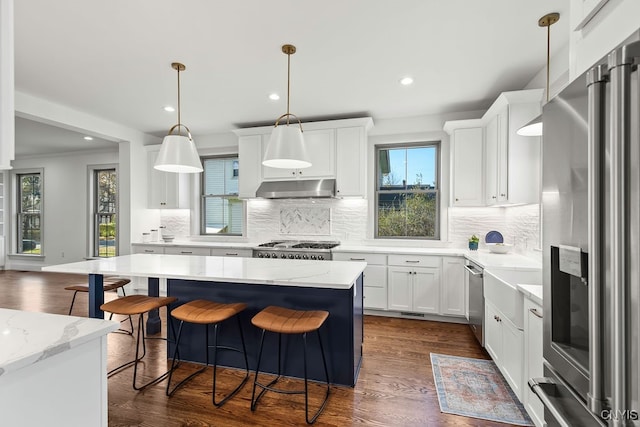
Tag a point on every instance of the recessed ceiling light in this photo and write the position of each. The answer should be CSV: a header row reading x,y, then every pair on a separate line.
x,y
406,81
169,109
274,97
88,138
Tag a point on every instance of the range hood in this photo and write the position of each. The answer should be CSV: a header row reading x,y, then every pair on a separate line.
x,y
297,189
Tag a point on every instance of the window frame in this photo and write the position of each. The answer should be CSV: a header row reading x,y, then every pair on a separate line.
x,y
16,230
202,197
94,227
437,190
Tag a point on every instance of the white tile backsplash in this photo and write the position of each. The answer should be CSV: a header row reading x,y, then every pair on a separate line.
x,y
297,220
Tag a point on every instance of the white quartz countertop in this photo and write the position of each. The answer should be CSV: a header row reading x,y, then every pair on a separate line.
x,y
26,337
396,250
199,244
533,292
487,259
301,273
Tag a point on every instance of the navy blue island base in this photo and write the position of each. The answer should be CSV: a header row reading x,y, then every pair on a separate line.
x,y
342,333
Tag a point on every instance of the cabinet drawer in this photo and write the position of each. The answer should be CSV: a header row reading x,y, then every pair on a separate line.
x,y
247,253
414,260
186,250
371,259
148,249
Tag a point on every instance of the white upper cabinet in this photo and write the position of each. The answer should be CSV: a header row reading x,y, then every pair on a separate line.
x,y
321,149
166,190
467,156
337,150
512,162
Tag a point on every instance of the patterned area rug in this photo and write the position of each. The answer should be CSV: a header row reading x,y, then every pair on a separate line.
x,y
476,388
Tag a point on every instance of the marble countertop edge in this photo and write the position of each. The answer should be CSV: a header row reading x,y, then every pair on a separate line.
x,y
27,338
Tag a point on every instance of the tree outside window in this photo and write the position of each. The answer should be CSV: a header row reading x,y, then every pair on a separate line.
x,y
105,208
29,213
407,191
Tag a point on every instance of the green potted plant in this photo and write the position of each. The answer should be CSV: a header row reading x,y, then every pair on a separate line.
x,y
473,242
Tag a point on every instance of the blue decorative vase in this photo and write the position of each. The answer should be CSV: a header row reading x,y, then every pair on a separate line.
x,y
473,246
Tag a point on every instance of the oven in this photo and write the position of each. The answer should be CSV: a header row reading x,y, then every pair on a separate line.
x,y
295,249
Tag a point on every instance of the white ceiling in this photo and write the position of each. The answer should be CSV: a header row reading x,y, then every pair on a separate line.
x,y
112,58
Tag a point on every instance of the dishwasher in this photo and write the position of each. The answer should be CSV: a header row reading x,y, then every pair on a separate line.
x,y
476,300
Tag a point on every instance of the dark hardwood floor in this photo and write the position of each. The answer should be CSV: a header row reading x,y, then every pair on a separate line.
x,y
395,386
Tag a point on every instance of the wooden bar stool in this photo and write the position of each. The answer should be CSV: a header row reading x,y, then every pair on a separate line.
x,y
109,284
129,306
208,313
285,321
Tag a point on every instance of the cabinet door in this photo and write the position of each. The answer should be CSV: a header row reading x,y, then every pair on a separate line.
x,y
245,253
147,249
166,190
533,359
467,155
250,163
351,162
321,150
426,290
503,155
492,333
400,293
512,356
452,291
375,287
491,160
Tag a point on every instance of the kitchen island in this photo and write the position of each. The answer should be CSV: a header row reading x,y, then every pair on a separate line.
x,y
334,286
53,369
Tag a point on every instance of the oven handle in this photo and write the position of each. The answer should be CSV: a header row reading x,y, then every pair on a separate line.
x,y
472,270
538,385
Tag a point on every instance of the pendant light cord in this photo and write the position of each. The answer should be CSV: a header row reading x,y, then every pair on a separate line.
x,y
288,83
179,123
548,57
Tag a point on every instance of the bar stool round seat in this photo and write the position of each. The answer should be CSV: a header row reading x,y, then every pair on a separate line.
x,y
137,305
282,320
208,313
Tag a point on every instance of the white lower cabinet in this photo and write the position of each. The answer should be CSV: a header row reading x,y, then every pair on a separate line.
x,y
505,343
414,283
533,359
453,288
375,277
245,253
187,250
147,249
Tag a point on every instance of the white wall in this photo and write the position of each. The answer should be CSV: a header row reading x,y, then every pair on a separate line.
x,y
66,207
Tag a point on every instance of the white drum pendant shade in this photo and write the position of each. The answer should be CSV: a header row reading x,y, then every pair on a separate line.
x,y
286,149
178,154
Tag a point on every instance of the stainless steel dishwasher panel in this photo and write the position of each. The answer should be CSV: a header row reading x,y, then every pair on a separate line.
x,y
476,300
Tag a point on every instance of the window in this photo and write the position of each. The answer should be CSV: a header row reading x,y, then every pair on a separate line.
x,y
29,213
104,225
407,191
222,210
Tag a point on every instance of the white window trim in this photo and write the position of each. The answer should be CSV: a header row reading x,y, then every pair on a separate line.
x,y
12,221
90,206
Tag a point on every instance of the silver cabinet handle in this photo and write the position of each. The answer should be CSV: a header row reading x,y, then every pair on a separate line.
x,y
535,313
149,251
412,261
186,252
231,254
357,259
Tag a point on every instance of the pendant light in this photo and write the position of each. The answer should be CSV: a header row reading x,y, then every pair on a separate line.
x,y
286,149
178,152
534,127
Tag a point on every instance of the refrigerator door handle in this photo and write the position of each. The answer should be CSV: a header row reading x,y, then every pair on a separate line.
x,y
596,88
543,388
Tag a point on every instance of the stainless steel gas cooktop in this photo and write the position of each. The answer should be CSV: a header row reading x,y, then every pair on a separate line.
x,y
295,249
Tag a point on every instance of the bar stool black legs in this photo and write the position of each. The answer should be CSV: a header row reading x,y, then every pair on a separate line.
x,y
279,320
209,313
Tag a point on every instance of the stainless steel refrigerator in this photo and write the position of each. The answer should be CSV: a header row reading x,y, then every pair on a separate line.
x,y
591,235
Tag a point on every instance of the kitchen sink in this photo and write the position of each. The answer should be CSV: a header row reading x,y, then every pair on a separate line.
x,y
500,289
